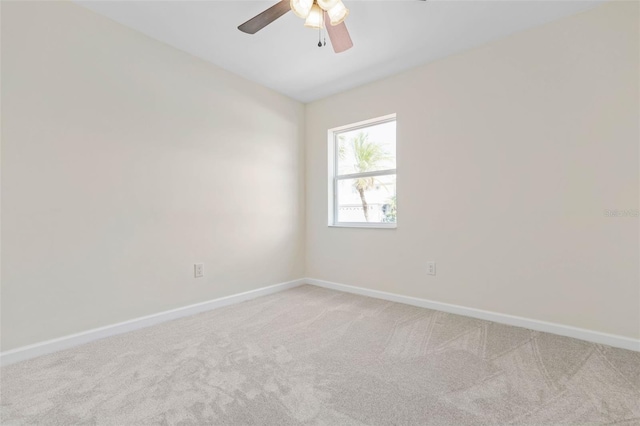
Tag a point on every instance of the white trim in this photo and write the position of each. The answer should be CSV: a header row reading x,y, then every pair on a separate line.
x,y
73,340
383,172
380,225
364,123
547,327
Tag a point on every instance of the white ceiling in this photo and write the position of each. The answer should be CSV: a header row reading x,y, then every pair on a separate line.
x,y
389,36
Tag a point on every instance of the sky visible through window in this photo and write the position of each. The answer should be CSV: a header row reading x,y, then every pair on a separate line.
x,y
383,134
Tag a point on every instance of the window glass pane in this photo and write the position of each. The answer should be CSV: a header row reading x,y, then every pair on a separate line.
x,y
377,193
368,149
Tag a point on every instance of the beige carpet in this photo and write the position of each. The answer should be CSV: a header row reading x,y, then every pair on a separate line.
x,y
315,356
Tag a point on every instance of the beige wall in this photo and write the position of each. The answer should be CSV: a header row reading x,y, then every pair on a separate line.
x,y
508,156
125,161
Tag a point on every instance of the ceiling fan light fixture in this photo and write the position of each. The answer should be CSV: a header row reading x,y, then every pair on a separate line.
x,y
301,7
327,4
338,13
314,20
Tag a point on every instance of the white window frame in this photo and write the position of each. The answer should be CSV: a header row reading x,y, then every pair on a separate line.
x,y
334,178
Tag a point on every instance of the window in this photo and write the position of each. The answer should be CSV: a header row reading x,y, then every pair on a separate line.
x,y
362,171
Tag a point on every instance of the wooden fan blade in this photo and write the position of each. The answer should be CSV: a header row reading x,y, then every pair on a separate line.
x,y
339,35
263,19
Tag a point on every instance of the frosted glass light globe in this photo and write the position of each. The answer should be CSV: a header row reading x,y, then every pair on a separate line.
x,y
338,13
301,7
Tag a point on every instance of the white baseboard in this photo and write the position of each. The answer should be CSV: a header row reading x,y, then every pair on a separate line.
x,y
547,327
72,340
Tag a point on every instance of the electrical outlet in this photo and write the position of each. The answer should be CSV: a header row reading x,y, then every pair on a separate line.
x,y
198,270
431,268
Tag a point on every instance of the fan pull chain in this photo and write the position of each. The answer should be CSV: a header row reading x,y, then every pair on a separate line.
x,y
324,36
320,34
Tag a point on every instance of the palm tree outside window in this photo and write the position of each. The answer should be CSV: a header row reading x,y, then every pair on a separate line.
x,y
363,165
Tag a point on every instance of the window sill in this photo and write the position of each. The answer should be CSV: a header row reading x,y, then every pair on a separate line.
x,y
364,225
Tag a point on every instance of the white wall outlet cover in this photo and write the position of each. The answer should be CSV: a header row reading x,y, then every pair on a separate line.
x,y
431,268
198,270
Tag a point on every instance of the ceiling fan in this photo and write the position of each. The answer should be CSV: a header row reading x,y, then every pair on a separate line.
x,y
318,14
